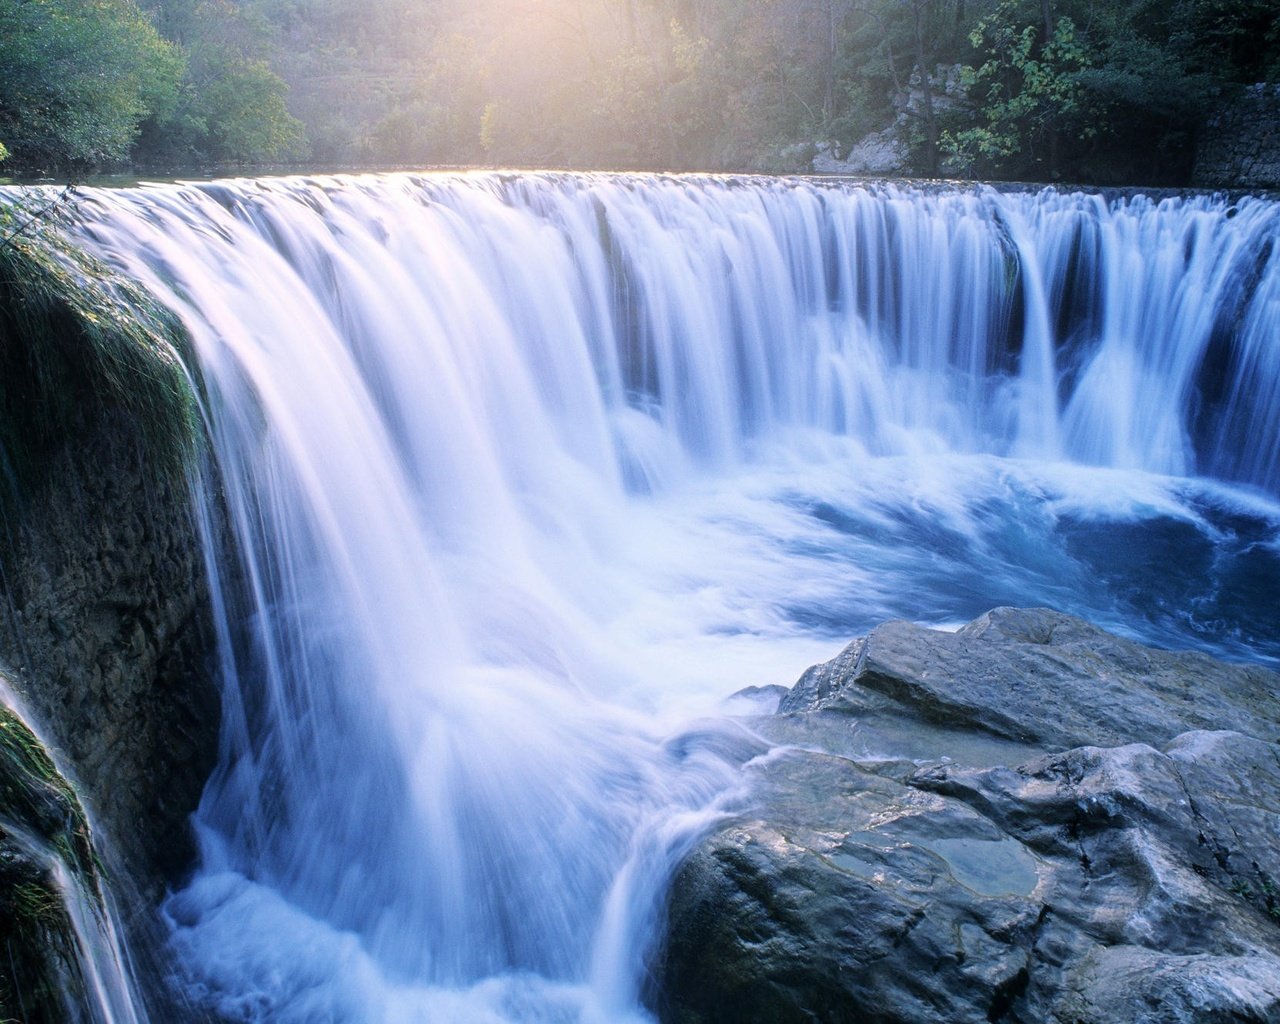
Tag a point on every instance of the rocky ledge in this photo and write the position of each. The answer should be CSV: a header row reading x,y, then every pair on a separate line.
x,y
1026,820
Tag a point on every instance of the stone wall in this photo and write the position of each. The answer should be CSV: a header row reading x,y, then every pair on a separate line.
x,y
1240,144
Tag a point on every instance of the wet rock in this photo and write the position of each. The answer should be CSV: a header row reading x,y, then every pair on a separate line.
x,y
1027,820
45,859
1038,677
107,640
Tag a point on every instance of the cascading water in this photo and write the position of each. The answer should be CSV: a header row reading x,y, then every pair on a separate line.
x,y
527,471
79,969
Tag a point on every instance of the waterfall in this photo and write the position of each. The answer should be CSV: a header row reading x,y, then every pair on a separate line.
x,y
527,473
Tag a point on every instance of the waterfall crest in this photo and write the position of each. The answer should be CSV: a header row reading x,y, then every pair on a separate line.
x,y
526,470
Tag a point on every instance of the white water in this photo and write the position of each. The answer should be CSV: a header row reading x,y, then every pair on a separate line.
x,y
104,990
529,471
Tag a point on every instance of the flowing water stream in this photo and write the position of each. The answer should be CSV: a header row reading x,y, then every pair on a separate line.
x,y
529,472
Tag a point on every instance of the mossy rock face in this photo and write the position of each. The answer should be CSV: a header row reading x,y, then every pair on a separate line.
x,y
41,824
77,340
106,621
34,794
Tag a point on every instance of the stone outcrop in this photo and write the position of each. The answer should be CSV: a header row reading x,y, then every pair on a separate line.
x,y
108,641
47,873
888,152
1239,146
1027,820
105,625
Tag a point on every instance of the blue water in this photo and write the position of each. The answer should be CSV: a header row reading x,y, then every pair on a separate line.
x,y
528,472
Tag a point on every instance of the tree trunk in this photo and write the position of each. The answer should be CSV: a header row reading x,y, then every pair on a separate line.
x,y
926,87
1046,14
829,82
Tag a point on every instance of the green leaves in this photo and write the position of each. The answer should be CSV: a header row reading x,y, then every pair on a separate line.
x,y
230,106
77,79
1090,88
1025,92
243,108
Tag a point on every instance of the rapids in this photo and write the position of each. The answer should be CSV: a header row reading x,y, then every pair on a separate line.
x,y
529,472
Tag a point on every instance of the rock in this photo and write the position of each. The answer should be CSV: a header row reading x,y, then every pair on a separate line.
x,y
1027,820
760,700
46,860
106,638
109,644
1038,677
885,152
1239,144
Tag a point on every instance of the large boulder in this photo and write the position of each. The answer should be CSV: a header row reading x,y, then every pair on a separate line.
x,y
1026,820
106,630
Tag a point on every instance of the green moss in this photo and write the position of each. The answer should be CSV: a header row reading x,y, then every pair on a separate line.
x,y
40,819
33,792
76,341
1239,887
37,903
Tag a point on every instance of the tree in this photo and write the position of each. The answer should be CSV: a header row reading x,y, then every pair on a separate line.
x,y
77,79
241,104
230,107
1028,94
1234,40
919,10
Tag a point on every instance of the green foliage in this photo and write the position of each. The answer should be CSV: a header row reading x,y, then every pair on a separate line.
x,y
230,107
77,342
1025,91
242,107
440,122
1117,92
1232,40
77,78
698,94
1055,86
364,78
33,791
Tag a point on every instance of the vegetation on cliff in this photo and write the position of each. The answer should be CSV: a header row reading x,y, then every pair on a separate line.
x,y
76,339
41,821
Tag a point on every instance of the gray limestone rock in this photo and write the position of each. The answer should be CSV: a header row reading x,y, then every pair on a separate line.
x,y
1026,820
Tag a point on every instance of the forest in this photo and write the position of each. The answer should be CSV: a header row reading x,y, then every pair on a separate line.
x,y
1109,91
